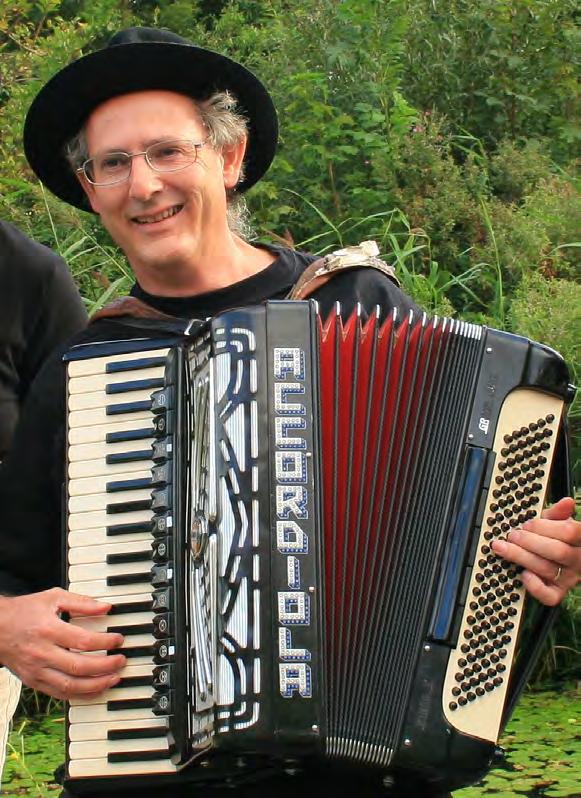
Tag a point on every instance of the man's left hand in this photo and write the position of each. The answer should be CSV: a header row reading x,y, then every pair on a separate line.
x,y
549,550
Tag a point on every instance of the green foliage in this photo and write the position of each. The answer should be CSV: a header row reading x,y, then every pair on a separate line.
x,y
502,69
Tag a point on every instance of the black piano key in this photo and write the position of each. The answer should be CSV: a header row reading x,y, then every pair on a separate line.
x,y
129,703
129,529
131,606
127,629
115,366
138,756
128,457
135,651
137,734
124,408
134,681
134,385
128,507
128,579
130,435
129,484
129,556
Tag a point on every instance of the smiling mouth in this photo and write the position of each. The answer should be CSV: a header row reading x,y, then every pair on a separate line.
x,y
158,217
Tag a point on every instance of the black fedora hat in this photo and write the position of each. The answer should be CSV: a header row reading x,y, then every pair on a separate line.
x,y
138,59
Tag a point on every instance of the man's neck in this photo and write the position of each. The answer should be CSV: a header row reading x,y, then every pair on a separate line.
x,y
208,272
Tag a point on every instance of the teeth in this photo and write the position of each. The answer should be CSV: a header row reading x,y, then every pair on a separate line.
x,y
159,217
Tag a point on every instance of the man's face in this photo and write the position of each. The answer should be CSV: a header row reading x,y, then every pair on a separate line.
x,y
167,223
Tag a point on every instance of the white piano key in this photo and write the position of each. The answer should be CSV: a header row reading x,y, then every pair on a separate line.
x,y
92,749
118,694
79,521
99,589
120,599
96,433
98,382
103,622
79,732
98,416
98,365
99,501
102,570
92,713
85,768
98,399
98,484
98,468
85,554
98,537
100,449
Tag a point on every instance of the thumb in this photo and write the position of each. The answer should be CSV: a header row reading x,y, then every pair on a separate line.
x,y
561,510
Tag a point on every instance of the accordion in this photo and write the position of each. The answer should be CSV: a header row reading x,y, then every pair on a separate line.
x,y
292,519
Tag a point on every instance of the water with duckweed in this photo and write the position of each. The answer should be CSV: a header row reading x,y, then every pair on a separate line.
x,y
543,745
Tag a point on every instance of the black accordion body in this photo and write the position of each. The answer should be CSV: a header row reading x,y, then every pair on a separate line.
x,y
292,520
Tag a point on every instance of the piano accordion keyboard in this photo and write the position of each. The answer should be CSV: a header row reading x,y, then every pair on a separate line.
x,y
112,431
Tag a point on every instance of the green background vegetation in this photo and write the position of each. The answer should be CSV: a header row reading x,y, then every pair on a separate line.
x,y
447,130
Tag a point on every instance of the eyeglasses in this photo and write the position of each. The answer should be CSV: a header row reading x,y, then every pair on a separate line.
x,y
164,156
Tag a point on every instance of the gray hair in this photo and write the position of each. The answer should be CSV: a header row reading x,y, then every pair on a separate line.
x,y
226,127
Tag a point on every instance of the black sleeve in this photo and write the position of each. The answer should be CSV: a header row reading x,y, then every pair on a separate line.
x,y
40,308
367,287
59,314
31,479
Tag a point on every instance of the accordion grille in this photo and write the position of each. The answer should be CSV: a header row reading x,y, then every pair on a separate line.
x,y
382,439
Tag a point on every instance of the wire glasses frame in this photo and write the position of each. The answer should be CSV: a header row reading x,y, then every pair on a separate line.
x,y
112,168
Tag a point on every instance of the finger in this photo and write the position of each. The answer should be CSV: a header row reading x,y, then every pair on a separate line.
x,y
67,635
550,548
65,687
543,568
76,604
546,592
83,665
564,508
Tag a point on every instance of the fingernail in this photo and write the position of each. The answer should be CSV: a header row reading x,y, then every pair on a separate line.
x,y
114,680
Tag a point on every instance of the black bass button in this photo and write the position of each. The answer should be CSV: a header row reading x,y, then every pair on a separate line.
x,y
162,600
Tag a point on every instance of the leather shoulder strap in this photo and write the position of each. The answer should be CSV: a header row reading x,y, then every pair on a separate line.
x,y
130,306
323,269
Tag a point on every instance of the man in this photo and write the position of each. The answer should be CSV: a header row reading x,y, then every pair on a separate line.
x,y
40,308
146,134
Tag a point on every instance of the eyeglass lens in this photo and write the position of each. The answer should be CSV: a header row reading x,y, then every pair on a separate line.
x,y
164,156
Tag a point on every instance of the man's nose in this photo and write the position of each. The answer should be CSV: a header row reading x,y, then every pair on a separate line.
x,y
143,180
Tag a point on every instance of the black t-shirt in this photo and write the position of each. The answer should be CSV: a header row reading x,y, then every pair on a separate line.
x,y
30,485
40,308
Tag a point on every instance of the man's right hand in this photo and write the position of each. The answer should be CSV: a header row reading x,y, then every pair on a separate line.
x,y
42,649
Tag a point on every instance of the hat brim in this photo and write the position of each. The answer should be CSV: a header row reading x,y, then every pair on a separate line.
x,y
63,105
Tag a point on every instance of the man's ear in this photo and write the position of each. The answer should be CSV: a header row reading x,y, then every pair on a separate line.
x,y
232,163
